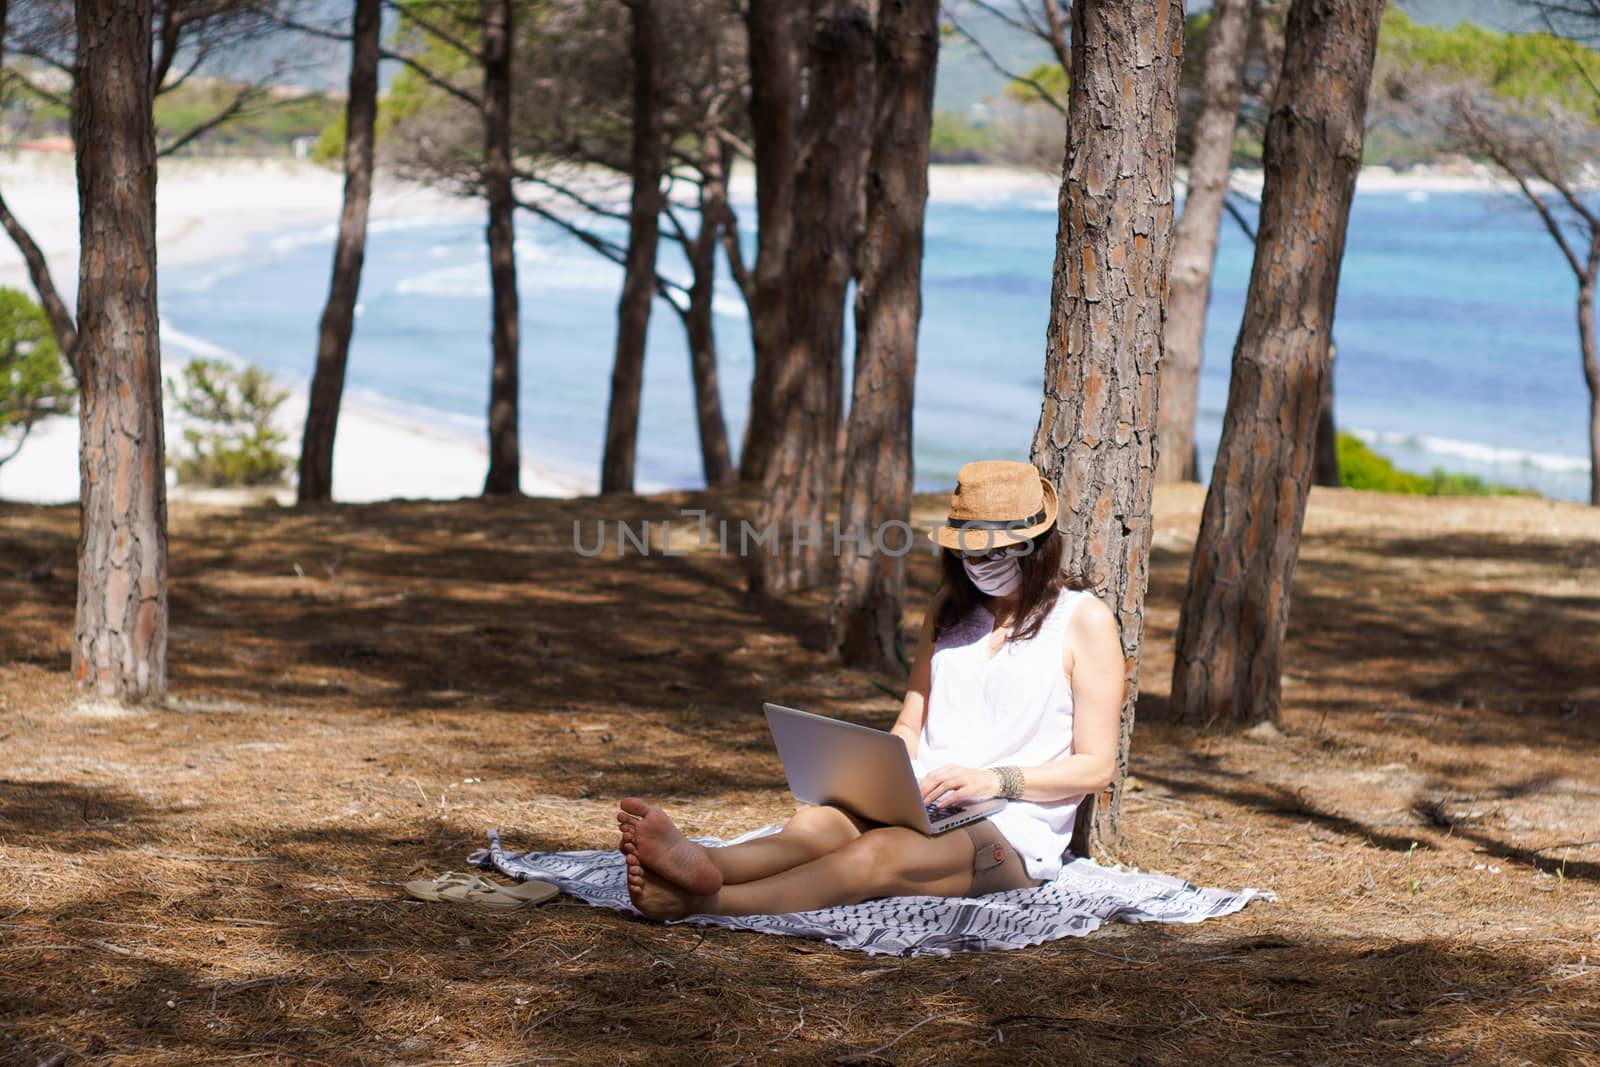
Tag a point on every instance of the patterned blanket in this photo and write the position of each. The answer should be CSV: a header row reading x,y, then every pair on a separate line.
x,y
1083,897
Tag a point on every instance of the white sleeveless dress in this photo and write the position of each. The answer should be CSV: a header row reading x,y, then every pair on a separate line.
x,y
1014,709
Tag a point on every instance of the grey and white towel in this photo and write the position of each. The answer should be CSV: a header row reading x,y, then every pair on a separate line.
x,y
1083,897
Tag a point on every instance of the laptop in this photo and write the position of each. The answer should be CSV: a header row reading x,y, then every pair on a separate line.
x,y
865,771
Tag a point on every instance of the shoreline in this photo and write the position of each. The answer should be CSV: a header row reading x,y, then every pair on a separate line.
x,y
216,211
211,211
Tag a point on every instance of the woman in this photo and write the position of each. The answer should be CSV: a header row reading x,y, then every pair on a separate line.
x,y
1017,692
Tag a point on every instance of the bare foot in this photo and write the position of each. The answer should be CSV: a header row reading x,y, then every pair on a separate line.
x,y
649,835
658,899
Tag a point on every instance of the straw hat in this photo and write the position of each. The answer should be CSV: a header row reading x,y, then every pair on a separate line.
x,y
997,503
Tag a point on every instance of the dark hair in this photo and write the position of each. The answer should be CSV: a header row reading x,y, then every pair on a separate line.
x,y
1042,582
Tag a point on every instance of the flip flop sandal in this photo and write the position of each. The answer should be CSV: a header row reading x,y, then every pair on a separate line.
x,y
456,887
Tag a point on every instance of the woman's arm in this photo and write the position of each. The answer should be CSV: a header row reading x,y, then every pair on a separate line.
x,y
908,727
1092,659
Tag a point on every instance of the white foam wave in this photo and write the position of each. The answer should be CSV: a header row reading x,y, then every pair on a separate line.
x,y
1476,452
471,279
730,306
288,242
208,281
417,222
194,347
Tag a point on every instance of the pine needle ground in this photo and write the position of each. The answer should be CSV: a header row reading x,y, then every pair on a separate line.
x,y
358,693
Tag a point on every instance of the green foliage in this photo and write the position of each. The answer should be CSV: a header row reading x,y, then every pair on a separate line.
x,y
1050,83
1527,68
956,139
1533,70
34,380
234,443
1362,468
330,142
261,122
410,93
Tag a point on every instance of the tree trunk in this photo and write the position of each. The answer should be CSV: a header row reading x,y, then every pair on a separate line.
x,y
1236,608
505,448
774,117
1194,246
715,461
869,598
808,388
639,272
1096,431
338,317
1096,434
120,646
1591,363
1325,471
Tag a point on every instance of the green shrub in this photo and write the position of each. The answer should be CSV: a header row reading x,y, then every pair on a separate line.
x,y
234,443
34,380
956,139
329,146
1362,468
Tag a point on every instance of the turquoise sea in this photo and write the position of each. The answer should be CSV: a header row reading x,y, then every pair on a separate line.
x,y
1456,334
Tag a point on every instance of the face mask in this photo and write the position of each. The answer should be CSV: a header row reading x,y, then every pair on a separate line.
x,y
994,577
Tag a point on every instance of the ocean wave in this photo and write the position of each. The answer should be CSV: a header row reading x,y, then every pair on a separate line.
x,y
284,243
418,222
1475,451
471,279
294,239
730,306
987,203
207,281
195,347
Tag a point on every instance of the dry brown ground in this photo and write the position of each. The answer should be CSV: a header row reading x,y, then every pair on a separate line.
x,y
358,693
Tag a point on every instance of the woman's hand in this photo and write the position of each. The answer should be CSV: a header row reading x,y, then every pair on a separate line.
x,y
952,784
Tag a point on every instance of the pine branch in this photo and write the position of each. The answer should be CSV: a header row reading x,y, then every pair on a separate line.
x,y
1000,68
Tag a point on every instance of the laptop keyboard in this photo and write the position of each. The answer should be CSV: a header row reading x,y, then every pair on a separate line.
x,y
937,812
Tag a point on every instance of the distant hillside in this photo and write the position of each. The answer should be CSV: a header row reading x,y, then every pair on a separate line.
x,y
966,78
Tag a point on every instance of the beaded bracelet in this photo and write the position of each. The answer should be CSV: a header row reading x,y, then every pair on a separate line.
x,y
1011,782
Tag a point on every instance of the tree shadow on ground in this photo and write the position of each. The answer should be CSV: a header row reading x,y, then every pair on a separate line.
x,y
364,979
1509,666
67,817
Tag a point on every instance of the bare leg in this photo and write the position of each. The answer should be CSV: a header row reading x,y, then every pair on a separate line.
x,y
810,833
891,861
650,835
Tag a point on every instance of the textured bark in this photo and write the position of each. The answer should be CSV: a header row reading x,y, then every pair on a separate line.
x,y
869,597
808,388
1096,436
1591,364
1194,246
647,161
715,461
774,120
120,645
1325,469
1236,608
505,449
338,316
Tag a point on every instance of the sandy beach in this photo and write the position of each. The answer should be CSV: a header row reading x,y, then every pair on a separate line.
x,y
211,210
